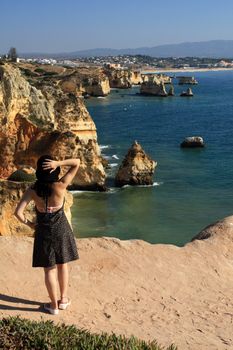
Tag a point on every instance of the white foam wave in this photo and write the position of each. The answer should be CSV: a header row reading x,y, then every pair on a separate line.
x,y
113,165
153,185
113,189
157,183
105,156
81,191
104,146
115,156
101,97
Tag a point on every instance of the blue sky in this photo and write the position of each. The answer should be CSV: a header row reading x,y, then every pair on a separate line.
x,y
70,25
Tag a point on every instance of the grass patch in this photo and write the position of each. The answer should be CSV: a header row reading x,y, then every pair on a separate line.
x,y
18,333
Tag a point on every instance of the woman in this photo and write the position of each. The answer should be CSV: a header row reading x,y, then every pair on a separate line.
x,y
54,243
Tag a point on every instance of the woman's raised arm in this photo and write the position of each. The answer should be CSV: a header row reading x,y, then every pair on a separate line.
x,y
68,177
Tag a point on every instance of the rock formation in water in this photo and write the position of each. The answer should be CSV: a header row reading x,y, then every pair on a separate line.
x,y
10,194
171,91
119,78
38,117
135,77
192,142
137,168
187,80
166,79
187,93
152,85
91,81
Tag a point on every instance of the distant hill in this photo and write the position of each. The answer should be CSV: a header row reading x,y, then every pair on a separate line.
x,y
213,48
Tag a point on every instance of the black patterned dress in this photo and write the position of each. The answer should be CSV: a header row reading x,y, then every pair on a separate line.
x,y
54,241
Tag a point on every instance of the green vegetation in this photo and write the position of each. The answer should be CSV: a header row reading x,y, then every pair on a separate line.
x,y
44,72
28,72
40,70
18,333
21,176
49,74
36,121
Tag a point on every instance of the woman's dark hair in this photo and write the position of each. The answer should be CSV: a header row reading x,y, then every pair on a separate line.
x,y
45,178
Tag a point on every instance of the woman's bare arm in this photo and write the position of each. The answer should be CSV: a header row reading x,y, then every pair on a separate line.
x,y
19,211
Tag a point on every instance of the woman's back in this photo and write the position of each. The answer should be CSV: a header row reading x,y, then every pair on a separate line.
x,y
54,201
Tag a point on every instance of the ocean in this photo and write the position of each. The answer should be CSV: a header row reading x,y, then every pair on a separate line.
x,y
192,187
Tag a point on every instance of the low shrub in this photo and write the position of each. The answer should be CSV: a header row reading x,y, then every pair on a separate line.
x,y
18,333
21,176
40,70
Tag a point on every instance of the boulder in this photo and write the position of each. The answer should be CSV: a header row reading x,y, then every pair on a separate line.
x,y
137,168
192,142
221,230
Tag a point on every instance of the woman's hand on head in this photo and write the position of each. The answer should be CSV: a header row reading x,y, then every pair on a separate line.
x,y
50,164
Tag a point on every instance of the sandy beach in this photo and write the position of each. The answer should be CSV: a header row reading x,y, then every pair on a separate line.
x,y
176,295
188,70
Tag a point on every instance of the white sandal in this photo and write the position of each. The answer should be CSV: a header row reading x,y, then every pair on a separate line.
x,y
50,310
63,306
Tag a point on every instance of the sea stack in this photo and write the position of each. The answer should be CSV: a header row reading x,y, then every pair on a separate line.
x,y
192,142
171,91
187,80
152,85
137,168
187,93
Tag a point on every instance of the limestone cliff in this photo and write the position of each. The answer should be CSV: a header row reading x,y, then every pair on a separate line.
x,y
119,78
91,81
135,77
41,118
164,78
10,194
153,85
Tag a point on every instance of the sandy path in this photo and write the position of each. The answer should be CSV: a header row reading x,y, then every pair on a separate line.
x,y
180,295
188,70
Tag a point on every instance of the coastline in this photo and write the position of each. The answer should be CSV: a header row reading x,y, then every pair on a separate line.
x,y
188,70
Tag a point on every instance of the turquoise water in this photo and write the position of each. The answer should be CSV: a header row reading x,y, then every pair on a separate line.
x,y
193,188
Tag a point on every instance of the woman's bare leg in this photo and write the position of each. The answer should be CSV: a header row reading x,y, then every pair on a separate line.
x,y
51,284
63,277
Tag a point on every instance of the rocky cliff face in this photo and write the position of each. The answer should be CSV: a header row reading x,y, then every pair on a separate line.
x,y
42,118
91,81
137,168
119,78
136,78
152,85
10,194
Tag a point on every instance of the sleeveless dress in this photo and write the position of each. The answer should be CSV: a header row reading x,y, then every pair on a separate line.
x,y
54,241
